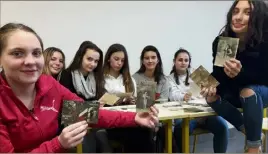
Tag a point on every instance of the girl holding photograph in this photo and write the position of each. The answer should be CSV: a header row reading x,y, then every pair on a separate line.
x,y
25,90
243,81
180,84
118,80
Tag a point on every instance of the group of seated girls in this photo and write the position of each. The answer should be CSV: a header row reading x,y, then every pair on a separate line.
x,y
90,79
242,84
31,100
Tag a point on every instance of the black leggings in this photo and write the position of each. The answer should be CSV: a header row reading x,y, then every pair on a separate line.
x,y
134,139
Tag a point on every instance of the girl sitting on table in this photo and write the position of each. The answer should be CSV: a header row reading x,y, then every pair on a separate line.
x,y
54,62
84,77
244,79
30,102
179,85
151,69
118,80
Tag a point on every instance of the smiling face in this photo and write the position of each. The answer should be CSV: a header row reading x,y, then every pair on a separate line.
x,y
150,60
90,61
22,58
240,17
56,63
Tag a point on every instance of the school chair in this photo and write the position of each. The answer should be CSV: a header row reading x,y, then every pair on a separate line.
x,y
196,132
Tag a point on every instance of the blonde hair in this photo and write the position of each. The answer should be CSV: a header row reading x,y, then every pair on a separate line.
x,y
47,57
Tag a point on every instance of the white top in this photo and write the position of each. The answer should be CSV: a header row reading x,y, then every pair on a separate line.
x,y
116,85
177,92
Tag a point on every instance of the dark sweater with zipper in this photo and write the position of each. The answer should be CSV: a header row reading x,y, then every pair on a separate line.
x,y
254,70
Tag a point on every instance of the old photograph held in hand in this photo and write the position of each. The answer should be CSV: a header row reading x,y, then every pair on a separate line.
x,y
202,78
146,92
227,49
74,111
109,99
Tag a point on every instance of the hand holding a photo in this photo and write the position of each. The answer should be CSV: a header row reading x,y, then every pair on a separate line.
x,y
209,93
232,67
73,134
148,119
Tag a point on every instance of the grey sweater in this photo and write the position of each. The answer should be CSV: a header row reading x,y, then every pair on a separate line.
x,y
162,87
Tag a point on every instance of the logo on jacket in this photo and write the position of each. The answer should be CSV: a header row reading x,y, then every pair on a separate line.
x,y
48,108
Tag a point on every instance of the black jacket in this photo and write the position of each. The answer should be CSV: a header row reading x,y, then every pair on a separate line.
x,y
254,70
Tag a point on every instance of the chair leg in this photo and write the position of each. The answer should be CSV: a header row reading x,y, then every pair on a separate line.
x,y
79,148
194,146
264,143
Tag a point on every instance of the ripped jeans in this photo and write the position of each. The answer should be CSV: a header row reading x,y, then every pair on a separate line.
x,y
251,120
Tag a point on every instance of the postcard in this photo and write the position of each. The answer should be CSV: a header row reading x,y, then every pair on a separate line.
x,y
202,78
74,111
145,95
227,49
109,99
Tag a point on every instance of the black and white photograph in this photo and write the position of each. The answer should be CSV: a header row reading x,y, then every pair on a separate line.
x,y
145,95
69,112
227,49
92,116
74,111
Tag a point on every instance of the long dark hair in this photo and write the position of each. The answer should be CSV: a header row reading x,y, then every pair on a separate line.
x,y
181,50
127,80
158,72
257,25
76,64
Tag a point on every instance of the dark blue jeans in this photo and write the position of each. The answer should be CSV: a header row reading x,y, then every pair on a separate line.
x,y
251,120
215,124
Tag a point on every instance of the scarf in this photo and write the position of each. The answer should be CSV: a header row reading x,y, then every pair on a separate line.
x,y
85,87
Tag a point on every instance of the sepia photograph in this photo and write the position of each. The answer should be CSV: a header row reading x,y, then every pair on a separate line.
x,y
227,49
145,95
202,77
74,111
109,99
194,89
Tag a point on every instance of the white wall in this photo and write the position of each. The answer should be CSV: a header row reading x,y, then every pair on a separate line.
x,y
135,24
